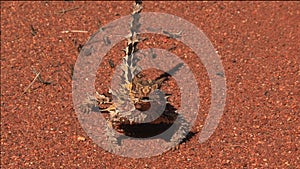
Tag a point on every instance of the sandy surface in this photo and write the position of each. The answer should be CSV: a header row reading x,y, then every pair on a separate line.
x,y
258,45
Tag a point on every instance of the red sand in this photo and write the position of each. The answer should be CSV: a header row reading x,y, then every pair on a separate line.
x,y
259,48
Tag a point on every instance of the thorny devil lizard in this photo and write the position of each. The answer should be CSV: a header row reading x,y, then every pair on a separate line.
x,y
132,97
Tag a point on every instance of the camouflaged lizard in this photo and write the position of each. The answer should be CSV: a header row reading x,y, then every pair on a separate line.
x,y
131,97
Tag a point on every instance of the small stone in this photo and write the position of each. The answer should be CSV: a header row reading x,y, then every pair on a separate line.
x,y
80,138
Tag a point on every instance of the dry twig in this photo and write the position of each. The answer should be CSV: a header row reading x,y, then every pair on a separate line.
x,y
63,11
74,31
41,79
35,78
33,30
